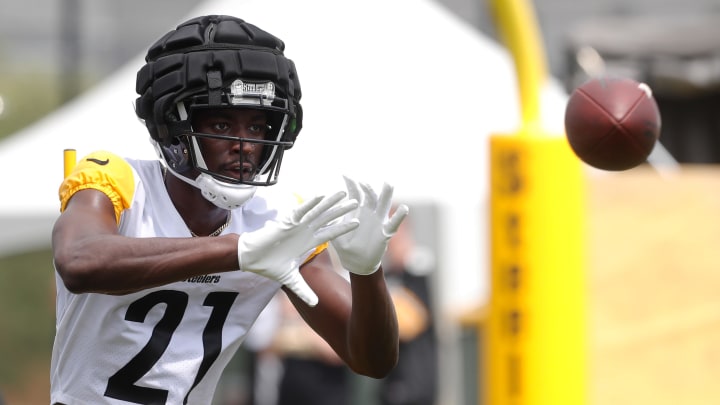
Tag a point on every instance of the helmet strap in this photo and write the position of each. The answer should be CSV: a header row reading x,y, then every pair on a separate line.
x,y
214,81
222,195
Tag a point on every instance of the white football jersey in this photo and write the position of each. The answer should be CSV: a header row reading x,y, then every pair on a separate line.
x,y
164,345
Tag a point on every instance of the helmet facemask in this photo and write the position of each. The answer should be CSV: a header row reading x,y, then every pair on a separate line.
x,y
218,186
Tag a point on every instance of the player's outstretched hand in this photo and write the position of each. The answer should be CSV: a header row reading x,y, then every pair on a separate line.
x,y
361,250
276,250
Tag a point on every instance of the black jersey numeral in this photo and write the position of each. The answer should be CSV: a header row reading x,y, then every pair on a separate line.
x,y
121,385
212,335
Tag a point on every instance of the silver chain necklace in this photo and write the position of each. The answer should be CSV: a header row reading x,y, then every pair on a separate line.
x,y
217,231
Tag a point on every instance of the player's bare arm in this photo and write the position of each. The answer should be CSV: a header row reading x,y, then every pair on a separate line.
x,y
91,256
350,315
358,319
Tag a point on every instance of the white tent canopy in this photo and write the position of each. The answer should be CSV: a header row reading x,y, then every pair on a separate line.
x,y
393,90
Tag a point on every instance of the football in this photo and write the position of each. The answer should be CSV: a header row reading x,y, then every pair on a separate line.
x,y
612,123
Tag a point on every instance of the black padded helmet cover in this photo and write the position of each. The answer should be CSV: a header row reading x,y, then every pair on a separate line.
x,y
198,61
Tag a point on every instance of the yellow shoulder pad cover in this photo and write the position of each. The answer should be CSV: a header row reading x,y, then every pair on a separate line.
x,y
105,172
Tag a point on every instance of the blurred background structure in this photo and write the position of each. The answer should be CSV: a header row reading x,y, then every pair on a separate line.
x,y
652,313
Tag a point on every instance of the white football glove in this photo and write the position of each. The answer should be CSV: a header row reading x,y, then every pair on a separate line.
x,y
361,250
276,250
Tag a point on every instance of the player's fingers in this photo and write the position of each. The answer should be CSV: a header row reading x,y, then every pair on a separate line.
x,y
385,199
331,232
370,196
323,206
297,284
304,207
353,189
394,222
335,212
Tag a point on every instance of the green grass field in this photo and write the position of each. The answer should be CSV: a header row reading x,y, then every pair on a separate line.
x,y
27,314
26,98
27,289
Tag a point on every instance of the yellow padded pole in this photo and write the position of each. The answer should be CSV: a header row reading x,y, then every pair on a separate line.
x,y
69,161
535,334
519,31
534,350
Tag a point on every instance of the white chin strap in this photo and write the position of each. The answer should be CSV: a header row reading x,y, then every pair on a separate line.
x,y
225,196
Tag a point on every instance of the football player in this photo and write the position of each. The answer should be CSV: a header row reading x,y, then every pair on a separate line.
x,y
163,265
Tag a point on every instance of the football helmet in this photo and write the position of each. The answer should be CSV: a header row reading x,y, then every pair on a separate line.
x,y
218,61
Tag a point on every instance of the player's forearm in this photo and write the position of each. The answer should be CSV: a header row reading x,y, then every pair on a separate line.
x,y
115,264
373,326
